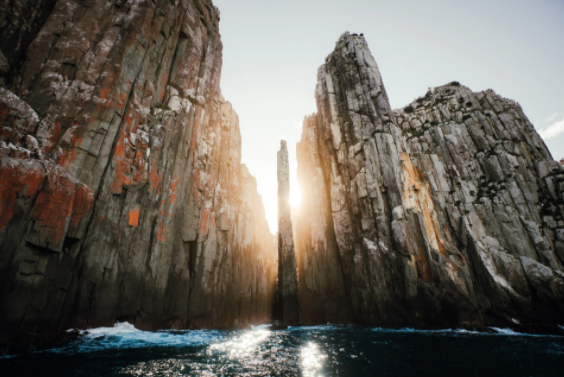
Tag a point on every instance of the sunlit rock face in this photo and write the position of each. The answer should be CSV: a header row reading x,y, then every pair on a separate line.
x,y
287,295
447,212
122,192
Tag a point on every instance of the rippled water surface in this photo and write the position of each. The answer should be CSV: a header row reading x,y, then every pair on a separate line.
x,y
305,351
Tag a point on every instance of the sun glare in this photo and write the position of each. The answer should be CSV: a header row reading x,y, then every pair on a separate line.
x,y
312,360
295,197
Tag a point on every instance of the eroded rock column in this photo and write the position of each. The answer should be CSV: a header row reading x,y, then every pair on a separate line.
x,y
287,304
447,212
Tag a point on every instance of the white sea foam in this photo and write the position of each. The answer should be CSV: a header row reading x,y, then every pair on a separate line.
x,y
125,335
498,331
510,332
502,331
330,326
412,330
318,328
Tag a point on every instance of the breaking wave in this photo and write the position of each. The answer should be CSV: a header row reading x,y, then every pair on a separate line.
x,y
124,335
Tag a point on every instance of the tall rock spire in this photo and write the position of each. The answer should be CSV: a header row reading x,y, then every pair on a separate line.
x,y
442,213
287,308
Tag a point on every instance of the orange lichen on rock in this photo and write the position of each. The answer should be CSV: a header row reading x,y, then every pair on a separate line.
x,y
204,224
161,231
52,211
134,216
173,186
18,179
59,207
82,204
122,166
105,93
155,177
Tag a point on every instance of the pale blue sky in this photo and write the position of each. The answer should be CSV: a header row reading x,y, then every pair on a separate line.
x,y
272,49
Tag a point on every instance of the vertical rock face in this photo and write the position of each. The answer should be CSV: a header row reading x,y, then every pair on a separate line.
x,y
287,298
122,192
321,286
446,212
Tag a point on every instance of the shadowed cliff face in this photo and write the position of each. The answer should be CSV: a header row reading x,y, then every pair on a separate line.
x,y
446,212
122,192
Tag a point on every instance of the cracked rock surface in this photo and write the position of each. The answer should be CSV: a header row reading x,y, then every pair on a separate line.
x,y
123,196
446,212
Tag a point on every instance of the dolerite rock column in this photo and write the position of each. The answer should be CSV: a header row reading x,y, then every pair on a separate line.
x,y
287,295
123,196
448,212
321,286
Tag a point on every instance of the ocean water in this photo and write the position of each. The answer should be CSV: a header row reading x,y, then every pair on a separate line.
x,y
328,350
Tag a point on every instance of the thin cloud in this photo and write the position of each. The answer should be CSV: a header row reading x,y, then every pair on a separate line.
x,y
298,125
551,118
554,130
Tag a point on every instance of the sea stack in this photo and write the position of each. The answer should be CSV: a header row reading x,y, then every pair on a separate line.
x,y
447,212
287,299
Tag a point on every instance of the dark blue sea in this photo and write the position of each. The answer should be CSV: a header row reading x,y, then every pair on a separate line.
x,y
302,351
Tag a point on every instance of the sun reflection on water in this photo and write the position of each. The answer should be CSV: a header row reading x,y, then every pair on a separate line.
x,y
312,360
239,352
243,345
249,353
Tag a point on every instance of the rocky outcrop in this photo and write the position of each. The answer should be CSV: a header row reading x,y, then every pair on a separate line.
x,y
122,192
287,308
447,212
